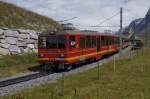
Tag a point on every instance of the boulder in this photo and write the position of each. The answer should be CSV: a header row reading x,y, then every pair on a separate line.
x,y
11,33
21,44
27,50
14,49
31,46
2,40
1,32
4,45
21,40
24,36
2,36
11,40
30,41
22,31
4,51
33,35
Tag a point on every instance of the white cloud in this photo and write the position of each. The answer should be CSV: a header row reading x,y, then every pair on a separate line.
x,y
89,12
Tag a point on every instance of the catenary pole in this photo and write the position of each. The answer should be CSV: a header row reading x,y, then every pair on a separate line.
x,y
121,30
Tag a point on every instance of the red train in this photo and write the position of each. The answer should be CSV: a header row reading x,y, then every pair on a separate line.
x,y
64,49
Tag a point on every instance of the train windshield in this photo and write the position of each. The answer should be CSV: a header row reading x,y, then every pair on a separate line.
x,y
52,41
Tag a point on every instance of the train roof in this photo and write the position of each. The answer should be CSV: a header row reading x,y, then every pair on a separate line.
x,y
76,32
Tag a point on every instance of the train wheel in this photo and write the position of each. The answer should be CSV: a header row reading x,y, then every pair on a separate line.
x,y
68,67
47,67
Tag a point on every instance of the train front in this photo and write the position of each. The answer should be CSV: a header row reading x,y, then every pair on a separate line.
x,y
51,50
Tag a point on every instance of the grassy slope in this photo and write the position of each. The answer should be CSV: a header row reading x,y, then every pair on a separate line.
x,y
130,80
11,65
12,16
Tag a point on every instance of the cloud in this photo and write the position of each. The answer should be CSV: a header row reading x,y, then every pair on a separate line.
x,y
89,12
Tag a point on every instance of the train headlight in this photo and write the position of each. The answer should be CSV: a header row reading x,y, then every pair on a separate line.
x,y
62,55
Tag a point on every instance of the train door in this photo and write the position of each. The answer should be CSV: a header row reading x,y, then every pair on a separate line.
x,y
82,47
98,44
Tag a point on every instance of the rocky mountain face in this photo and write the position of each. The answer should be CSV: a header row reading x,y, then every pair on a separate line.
x,y
17,41
139,25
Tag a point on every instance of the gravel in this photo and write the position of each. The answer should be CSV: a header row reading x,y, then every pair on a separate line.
x,y
11,89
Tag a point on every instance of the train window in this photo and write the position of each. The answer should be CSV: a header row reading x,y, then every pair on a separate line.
x,y
61,41
72,42
106,41
93,41
102,41
88,42
82,42
51,42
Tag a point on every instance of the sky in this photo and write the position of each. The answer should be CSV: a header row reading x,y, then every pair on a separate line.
x,y
88,12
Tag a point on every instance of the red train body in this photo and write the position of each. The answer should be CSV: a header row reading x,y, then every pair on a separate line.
x,y
62,49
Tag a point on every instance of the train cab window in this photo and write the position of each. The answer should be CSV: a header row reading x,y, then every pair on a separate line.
x,y
82,42
72,42
61,41
93,41
51,42
88,42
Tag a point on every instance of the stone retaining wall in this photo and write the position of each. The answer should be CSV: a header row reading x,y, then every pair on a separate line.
x,y
17,41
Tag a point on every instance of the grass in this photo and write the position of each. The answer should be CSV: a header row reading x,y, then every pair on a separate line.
x,y
129,80
11,65
12,16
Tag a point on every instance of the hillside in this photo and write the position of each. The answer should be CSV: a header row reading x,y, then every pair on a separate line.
x,y
12,16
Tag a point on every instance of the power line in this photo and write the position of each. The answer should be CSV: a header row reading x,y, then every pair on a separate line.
x,y
106,26
107,19
68,19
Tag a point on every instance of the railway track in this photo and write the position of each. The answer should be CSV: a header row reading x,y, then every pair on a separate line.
x,y
9,86
19,79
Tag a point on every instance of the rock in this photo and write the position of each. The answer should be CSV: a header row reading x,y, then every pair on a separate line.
x,y
30,41
5,45
11,40
31,46
27,50
10,33
24,36
4,51
1,32
14,49
22,31
2,36
2,40
21,40
33,35
4,28
21,44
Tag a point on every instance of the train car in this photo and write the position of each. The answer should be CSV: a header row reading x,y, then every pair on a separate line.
x,y
125,42
63,49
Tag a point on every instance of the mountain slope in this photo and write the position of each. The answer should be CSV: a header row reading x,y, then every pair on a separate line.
x,y
12,16
140,25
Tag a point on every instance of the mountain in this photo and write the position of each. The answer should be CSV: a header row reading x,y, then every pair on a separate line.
x,y
12,16
139,25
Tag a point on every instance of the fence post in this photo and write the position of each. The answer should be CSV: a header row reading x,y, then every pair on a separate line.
x,y
114,61
62,83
